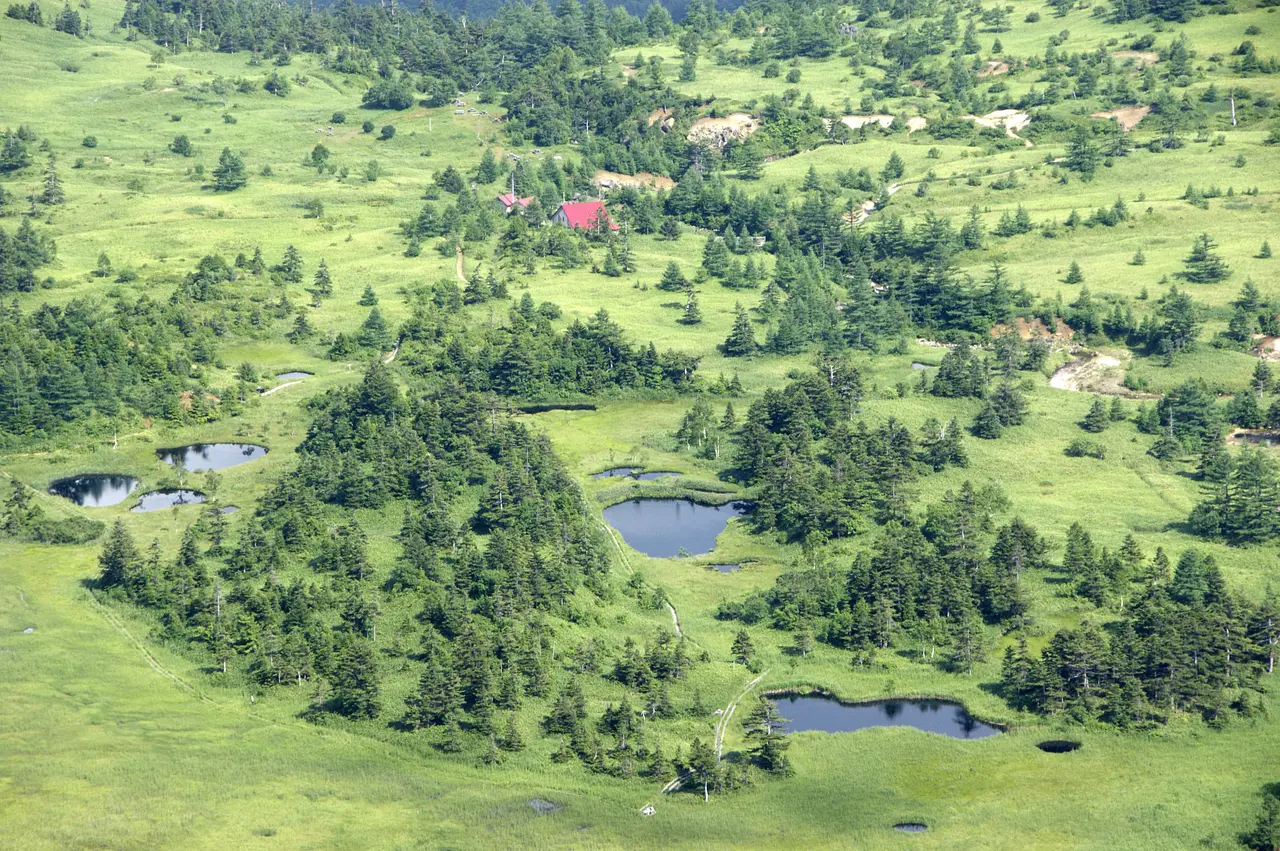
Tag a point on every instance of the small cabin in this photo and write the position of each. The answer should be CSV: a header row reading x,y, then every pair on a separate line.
x,y
583,215
509,202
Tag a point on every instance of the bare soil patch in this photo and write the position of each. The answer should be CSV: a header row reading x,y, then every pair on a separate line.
x,y
857,122
1095,373
994,69
719,131
614,180
1144,57
916,122
664,115
1060,336
1010,119
1127,117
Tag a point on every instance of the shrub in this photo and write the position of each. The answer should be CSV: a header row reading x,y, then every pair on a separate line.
x,y
1081,448
388,132
89,141
338,118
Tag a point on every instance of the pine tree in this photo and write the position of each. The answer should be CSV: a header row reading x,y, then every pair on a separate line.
x,y
1074,275
986,424
742,650
670,227
1264,253
368,298
229,174
511,738
322,284
692,315
355,681
704,766
52,192
1203,265
672,279
1098,418
120,563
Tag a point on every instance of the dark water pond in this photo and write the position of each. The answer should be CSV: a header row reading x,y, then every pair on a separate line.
x,y
199,457
292,376
635,473
828,715
616,473
911,827
918,365
1059,746
166,497
94,490
726,568
230,509
662,527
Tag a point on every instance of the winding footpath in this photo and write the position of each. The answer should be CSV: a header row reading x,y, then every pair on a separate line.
x,y
281,387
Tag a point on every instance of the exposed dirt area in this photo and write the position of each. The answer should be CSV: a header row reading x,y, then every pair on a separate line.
x,y
1010,119
868,207
857,122
1095,373
664,115
719,131
630,71
1266,347
916,122
1127,117
994,69
614,180
1144,57
1060,336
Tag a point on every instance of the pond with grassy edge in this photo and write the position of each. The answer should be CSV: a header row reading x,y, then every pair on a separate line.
x,y
662,528
202,457
825,714
94,490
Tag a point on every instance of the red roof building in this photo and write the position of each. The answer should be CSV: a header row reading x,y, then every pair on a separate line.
x,y
583,215
508,202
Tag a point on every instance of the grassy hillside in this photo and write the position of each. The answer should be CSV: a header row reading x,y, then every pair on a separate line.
x,y
116,738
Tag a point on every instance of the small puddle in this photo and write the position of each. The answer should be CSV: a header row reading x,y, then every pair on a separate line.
x,y
230,509
825,714
156,500
662,528
726,568
918,365
1059,746
201,457
94,490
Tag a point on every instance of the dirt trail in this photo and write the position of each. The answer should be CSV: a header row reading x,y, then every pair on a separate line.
x,y
281,387
727,713
462,276
1127,117
155,665
868,207
392,354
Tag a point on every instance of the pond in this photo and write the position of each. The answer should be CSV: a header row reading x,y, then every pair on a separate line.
x,y
200,457
661,528
166,497
616,473
917,365
827,715
94,490
726,568
292,376
650,475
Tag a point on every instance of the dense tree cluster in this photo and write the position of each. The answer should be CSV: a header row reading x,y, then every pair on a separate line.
x,y
1183,644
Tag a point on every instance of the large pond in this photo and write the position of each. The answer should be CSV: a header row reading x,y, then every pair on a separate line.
x,y
828,715
94,490
167,497
199,457
663,527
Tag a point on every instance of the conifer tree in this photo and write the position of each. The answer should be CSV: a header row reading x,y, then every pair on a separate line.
x,y
741,341
1098,418
229,174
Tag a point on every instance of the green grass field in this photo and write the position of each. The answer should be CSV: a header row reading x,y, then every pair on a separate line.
x,y
110,738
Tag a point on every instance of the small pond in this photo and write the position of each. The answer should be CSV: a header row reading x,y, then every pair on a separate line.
x,y
911,827
94,490
635,473
230,509
199,457
616,473
918,365
292,376
1059,746
726,568
167,497
828,715
662,527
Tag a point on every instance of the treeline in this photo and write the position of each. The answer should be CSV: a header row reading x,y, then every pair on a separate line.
x,y
1183,644
929,583
527,358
